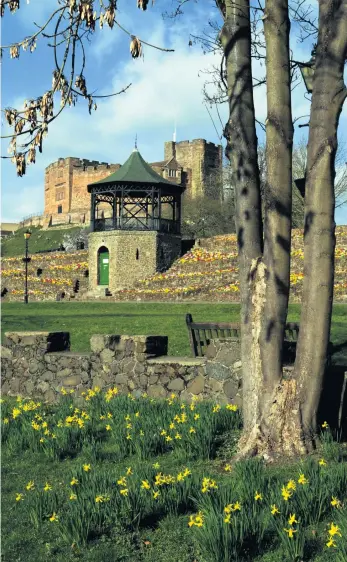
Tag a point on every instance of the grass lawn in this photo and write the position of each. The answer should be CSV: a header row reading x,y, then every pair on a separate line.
x,y
83,320
136,525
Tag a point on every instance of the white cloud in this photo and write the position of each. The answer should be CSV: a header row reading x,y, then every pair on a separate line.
x,y
165,87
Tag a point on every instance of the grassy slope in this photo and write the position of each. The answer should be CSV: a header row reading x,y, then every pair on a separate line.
x,y
83,320
40,240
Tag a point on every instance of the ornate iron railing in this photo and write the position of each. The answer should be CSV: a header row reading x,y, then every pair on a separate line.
x,y
160,225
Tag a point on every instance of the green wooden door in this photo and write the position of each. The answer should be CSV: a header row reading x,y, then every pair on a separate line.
x,y
103,266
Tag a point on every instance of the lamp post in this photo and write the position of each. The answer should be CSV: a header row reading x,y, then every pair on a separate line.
x,y
307,70
27,235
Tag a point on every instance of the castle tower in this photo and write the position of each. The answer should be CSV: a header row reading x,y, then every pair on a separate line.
x,y
201,158
142,235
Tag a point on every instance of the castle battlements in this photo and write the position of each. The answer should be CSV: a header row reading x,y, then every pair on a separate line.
x,y
67,199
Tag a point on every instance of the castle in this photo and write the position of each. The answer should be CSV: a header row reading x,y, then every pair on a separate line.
x,y
67,201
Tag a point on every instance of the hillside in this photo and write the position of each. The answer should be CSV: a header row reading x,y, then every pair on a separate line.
x,y
208,272
40,240
48,274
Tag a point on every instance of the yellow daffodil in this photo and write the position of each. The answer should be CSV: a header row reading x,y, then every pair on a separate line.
x,y
129,438
322,462
163,432
290,532
122,481
187,472
216,409
109,415
330,543
124,491
168,438
19,497
291,485
335,502
196,520
192,430
47,487
5,421
286,494
156,465
192,407
129,426
86,467
172,426
227,518
274,509
129,471
142,433
178,436
54,517
227,468
236,506
30,485
302,480
180,477
145,485
16,412
108,427
258,496
102,417
325,425
292,519
73,496
196,417
74,481
334,530
156,494
99,499
137,414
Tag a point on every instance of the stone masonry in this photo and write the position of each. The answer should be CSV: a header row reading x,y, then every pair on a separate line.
x,y
132,255
68,201
39,364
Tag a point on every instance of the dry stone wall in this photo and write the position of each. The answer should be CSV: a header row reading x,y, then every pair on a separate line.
x,y
39,364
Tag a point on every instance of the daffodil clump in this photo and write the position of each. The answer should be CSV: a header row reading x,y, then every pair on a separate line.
x,y
226,510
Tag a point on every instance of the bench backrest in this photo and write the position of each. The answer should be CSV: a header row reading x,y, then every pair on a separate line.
x,y
201,333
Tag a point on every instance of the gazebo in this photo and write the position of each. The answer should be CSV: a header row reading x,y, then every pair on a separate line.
x,y
139,197
141,234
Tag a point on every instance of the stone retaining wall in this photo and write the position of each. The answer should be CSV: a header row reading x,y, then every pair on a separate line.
x,y
39,364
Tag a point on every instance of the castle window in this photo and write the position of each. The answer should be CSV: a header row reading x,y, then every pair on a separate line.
x,y
137,254
60,209
172,173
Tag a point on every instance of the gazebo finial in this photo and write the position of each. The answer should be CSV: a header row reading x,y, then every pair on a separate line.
x,y
135,148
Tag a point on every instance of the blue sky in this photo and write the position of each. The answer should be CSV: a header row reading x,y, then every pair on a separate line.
x,y
166,87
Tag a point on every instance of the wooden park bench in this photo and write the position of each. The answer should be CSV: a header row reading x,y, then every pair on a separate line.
x,y
201,333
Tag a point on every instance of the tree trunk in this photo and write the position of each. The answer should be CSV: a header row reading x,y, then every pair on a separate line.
x,y
241,151
280,413
329,93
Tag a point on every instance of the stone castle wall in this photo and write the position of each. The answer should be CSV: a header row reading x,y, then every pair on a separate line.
x,y
199,156
138,255
39,364
66,179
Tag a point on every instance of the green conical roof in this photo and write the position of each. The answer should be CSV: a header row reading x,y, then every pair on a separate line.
x,y
134,170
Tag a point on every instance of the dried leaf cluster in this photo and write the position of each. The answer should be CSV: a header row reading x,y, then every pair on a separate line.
x,y
70,22
135,47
